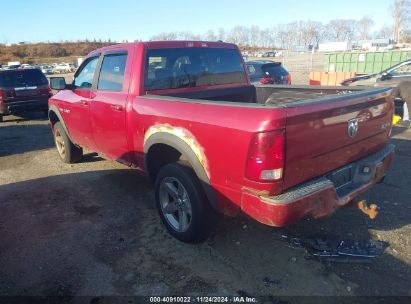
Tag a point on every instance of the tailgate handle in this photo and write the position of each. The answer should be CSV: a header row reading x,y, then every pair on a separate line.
x,y
117,107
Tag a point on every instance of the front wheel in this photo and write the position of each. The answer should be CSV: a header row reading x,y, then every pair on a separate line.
x,y
69,152
182,205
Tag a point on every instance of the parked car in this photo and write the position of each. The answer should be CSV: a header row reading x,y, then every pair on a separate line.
x,y
397,76
13,67
64,68
267,72
47,69
23,90
185,114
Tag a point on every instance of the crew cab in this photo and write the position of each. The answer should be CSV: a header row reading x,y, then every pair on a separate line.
x,y
186,114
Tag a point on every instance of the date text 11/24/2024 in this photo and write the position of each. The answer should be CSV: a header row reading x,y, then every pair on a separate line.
x,y
204,299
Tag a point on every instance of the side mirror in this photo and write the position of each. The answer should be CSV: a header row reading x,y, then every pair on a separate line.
x,y
385,76
58,83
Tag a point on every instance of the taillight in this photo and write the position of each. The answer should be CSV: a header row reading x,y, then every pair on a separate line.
x,y
289,79
265,161
44,90
2,94
266,80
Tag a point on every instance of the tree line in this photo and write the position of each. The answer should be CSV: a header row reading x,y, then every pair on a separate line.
x,y
308,32
42,51
286,36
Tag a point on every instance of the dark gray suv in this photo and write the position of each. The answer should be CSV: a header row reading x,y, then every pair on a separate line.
x,y
23,90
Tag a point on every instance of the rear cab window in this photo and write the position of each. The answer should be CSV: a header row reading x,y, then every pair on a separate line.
x,y
173,68
22,78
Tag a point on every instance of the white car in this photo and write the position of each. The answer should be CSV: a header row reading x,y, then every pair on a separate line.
x,y
64,68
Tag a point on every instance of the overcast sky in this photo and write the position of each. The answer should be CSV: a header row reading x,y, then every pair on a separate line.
x,y
55,20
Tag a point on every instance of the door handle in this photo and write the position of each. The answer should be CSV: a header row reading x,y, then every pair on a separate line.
x,y
116,107
84,103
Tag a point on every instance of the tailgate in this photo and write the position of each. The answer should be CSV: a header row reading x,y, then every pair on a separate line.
x,y
328,133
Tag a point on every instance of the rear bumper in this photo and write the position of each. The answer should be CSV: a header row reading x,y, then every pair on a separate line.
x,y
318,197
40,104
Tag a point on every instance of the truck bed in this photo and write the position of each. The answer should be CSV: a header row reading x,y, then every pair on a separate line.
x,y
317,120
278,95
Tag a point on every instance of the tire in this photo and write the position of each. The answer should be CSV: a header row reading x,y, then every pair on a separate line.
x,y
68,152
178,192
1,118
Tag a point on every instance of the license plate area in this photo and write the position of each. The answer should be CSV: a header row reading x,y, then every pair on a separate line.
x,y
25,91
341,177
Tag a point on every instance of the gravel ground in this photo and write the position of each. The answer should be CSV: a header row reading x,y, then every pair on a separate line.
x,y
92,229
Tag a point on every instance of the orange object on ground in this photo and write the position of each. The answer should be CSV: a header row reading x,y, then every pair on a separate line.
x,y
329,78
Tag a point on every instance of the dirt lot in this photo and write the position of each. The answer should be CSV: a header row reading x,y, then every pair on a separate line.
x,y
92,229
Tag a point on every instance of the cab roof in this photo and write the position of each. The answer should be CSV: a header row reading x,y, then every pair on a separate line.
x,y
167,44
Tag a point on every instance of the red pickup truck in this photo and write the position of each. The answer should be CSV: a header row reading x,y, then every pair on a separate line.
x,y
185,113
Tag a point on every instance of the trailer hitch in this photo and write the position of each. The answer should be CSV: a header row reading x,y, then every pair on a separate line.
x,y
371,211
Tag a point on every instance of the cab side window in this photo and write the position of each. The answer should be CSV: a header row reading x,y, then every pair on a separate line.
x,y
112,72
84,78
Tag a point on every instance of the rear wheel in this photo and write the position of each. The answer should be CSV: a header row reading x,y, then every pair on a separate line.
x,y
182,205
69,152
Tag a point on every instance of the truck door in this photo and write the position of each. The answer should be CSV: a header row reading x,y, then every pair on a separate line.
x,y
108,106
75,109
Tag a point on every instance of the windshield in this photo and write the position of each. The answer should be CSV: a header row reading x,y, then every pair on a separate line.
x,y
21,78
172,68
401,69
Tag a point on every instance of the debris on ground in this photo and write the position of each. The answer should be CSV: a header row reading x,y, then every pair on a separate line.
x,y
337,250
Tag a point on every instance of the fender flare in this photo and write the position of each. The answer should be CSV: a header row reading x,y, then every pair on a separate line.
x,y
56,111
185,150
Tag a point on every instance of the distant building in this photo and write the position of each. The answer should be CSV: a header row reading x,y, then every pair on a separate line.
x,y
373,45
337,46
79,61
